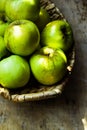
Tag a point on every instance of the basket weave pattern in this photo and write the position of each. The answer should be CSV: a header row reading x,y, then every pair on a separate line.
x,y
36,91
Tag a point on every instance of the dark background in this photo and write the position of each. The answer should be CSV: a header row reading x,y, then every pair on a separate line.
x,y
69,110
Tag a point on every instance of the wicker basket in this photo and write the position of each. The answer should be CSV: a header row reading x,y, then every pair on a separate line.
x,y
33,90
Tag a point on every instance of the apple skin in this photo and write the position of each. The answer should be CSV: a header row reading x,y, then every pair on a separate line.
x,y
57,34
3,50
14,72
43,19
22,37
3,26
2,5
3,23
48,65
22,9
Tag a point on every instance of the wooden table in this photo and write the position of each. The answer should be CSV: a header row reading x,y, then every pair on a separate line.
x,y
69,110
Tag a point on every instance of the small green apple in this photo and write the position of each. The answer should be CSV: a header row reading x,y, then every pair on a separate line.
x,y
22,9
48,65
57,34
3,50
43,19
22,37
14,72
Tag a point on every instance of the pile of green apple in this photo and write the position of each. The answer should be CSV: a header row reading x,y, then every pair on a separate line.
x,y
30,43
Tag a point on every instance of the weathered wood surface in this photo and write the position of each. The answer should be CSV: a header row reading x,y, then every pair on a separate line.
x,y
69,111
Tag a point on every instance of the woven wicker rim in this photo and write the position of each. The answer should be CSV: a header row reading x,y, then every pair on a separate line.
x,y
42,92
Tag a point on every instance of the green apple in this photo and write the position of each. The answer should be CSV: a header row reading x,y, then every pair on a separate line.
x,y
3,26
48,65
57,34
43,19
22,37
14,72
3,50
22,9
